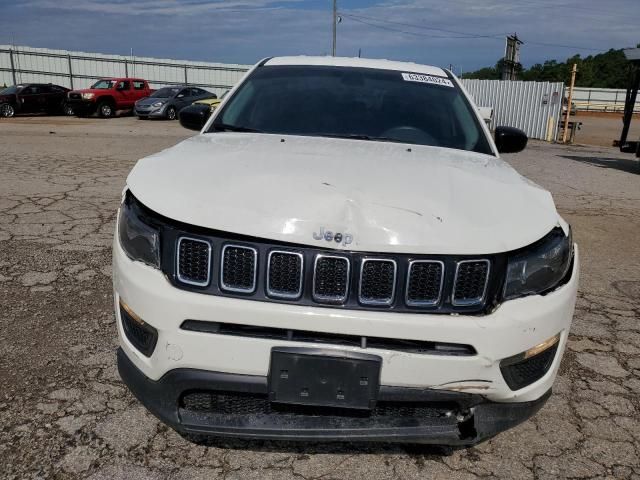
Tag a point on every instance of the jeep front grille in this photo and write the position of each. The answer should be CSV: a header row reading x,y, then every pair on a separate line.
x,y
424,283
331,278
194,261
231,265
377,281
470,283
239,267
284,274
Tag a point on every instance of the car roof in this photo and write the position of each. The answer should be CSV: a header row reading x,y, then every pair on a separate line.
x,y
357,62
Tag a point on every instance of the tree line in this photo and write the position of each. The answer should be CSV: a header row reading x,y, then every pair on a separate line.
x,y
604,70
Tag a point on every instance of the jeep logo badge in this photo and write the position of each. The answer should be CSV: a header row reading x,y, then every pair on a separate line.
x,y
345,239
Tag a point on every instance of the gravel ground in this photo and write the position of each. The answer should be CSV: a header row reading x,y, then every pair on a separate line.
x,y
65,414
603,129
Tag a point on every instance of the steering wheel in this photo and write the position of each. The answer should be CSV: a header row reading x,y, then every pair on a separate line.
x,y
411,134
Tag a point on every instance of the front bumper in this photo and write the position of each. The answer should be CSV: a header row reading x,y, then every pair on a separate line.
x,y
185,360
144,111
81,106
457,419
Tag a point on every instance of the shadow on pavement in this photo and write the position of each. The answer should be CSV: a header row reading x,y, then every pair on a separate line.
x,y
629,165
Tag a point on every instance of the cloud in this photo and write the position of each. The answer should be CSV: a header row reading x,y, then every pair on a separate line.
x,y
155,7
439,32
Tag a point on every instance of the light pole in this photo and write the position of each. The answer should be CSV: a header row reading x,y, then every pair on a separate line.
x,y
335,23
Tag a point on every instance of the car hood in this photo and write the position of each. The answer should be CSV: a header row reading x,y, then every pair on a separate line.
x,y
148,101
388,197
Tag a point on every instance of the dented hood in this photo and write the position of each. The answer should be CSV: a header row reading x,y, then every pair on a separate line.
x,y
389,197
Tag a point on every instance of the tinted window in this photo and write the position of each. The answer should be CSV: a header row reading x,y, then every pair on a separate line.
x,y
185,92
361,103
138,85
11,90
103,85
30,90
166,92
123,85
57,89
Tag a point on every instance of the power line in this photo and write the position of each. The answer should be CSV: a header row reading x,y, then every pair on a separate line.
x,y
359,18
417,34
424,27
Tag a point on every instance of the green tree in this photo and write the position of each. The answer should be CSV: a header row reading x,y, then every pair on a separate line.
x,y
604,70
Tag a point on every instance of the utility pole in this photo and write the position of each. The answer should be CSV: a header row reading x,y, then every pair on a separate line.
x,y
335,24
569,100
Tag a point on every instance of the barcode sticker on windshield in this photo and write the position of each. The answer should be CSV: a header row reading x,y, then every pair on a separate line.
x,y
418,77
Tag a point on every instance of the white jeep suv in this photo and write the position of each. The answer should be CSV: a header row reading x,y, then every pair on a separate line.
x,y
341,254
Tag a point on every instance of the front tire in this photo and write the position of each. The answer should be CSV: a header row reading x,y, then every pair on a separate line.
x,y
106,110
67,110
172,114
7,110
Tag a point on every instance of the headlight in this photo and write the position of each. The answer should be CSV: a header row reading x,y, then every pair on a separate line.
x,y
157,104
541,267
88,96
139,240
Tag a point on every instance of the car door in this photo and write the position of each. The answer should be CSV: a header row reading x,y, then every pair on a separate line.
x,y
140,90
183,98
30,99
48,97
124,94
56,98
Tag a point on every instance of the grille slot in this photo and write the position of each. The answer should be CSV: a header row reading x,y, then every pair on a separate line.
x,y
245,403
424,283
284,277
331,279
194,261
377,281
239,268
470,282
304,336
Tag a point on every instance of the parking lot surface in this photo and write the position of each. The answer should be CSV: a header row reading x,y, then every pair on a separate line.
x,y
65,414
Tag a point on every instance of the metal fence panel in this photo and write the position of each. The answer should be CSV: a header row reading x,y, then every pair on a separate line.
x,y
80,69
601,99
525,105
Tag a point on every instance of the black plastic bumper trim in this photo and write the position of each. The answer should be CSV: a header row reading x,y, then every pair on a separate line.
x,y
161,398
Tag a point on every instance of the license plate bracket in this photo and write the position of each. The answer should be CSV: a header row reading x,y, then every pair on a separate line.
x,y
324,378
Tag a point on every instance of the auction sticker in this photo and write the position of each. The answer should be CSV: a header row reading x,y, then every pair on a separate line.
x,y
421,78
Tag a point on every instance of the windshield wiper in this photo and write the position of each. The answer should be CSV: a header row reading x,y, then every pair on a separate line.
x,y
234,128
355,136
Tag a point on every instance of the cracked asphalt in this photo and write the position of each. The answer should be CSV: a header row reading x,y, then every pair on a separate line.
x,y
64,413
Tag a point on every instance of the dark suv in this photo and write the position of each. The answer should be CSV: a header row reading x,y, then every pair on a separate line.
x,y
34,98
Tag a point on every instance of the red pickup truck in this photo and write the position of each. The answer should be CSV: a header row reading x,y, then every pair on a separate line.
x,y
108,95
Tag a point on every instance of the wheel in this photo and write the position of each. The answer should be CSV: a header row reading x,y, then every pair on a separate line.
x,y
7,110
67,109
106,109
171,113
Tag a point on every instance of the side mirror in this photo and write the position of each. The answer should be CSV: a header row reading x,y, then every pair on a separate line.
x,y
194,117
510,139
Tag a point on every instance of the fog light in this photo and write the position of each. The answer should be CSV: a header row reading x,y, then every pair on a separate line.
x,y
141,335
530,366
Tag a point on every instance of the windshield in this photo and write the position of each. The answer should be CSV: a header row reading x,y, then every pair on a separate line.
x,y
11,90
166,92
360,103
103,85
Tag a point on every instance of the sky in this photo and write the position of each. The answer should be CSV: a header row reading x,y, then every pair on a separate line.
x,y
467,34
